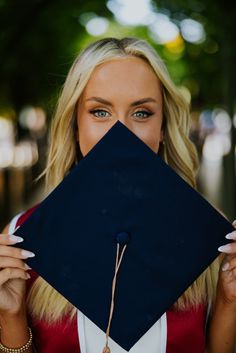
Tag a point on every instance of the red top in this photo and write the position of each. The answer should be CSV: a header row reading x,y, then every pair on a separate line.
x,y
185,329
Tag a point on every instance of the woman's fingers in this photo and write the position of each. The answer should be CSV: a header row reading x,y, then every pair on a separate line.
x,y
6,250
10,251
9,239
12,265
228,248
12,273
231,235
13,262
231,247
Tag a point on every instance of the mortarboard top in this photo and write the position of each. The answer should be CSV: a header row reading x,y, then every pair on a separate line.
x,y
123,190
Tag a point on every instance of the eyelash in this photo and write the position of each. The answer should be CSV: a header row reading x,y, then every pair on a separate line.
x,y
139,111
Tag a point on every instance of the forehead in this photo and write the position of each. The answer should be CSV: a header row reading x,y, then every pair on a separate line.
x,y
128,75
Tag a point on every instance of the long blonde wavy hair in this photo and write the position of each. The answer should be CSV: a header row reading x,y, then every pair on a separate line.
x,y
44,302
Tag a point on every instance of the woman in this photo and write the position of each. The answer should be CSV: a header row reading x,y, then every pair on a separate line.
x,y
117,79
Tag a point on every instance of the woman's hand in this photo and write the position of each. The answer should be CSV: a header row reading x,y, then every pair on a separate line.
x,y
12,274
227,276
221,333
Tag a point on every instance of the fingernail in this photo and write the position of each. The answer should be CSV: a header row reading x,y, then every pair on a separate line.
x,y
28,275
26,253
225,267
15,239
231,235
225,248
27,267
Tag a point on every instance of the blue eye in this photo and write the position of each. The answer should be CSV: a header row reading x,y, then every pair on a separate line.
x,y
98,111
143,112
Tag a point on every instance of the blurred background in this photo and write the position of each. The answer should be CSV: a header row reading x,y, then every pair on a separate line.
x,y
39,39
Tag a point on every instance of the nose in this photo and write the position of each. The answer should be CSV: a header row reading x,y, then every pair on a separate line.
x,y
125,120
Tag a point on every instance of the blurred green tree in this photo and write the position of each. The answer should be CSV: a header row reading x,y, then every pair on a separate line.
x,y
37,46
212,65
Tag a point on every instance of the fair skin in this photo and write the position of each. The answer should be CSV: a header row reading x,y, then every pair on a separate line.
x,y
129,80
121,83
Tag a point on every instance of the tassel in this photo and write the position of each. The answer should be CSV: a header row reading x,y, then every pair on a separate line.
x,y
106,349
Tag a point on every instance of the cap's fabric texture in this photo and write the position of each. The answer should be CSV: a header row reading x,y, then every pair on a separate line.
x,y
184,330
123,191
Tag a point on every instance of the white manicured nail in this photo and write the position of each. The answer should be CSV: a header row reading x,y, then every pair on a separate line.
x,y
231,235
225,248
26,253
15,239
27,267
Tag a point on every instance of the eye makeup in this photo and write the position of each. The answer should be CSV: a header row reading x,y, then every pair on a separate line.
x,y
141,111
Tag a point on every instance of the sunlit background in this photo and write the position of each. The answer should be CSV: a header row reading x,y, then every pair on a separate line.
x,y
39,41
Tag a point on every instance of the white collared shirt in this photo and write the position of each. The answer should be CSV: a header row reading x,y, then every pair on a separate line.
x,y
92,338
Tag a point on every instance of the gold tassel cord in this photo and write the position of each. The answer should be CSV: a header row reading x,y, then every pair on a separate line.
x,y
106,349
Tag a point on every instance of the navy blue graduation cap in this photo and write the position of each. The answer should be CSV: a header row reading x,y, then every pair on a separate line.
x,y
123,221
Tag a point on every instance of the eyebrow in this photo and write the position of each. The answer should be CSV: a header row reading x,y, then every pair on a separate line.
x,y
138,102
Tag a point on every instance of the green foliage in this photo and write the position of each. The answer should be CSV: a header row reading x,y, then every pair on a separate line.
x,y
39,40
